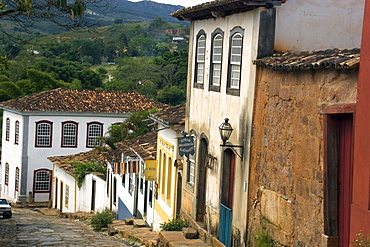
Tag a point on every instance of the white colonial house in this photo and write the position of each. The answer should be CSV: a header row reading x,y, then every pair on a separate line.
x,y
170,126
226,36
54,123
94,192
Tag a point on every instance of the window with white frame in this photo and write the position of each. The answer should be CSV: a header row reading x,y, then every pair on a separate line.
x,y
217,44
16,179
69,134
235,62
44,133
191,166
42,180
7,132
6,180
94,131
200,58
16,132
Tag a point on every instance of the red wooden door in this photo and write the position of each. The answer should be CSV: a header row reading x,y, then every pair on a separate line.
x,y
345,176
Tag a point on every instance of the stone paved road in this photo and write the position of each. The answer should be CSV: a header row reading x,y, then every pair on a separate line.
x,y
31,228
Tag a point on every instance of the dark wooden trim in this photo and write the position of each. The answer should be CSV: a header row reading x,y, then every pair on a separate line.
x,y
338,108
76,134
51,134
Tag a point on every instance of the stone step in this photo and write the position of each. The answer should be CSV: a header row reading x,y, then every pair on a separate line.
x,y
139,223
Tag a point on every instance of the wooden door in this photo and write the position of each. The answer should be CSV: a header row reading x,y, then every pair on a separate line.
x,y
227,197
345,162
202,181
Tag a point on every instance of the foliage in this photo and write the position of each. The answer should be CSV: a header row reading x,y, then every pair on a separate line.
x,y
11,89
264,240
361,240
172,95
22,13
137,124
174,225
82,169
102,219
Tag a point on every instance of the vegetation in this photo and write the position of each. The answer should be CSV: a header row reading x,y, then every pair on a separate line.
x,y
174,225
264,240
102,219
82,168
361,240
23,13
136,125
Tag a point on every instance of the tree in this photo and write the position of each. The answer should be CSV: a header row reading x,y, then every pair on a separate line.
x,y
136,125
64,13
172,95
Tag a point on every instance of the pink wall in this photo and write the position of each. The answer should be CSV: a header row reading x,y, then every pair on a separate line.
x,y
360,208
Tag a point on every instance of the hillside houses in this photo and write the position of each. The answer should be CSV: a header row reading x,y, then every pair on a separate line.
x,y
276,127
57,122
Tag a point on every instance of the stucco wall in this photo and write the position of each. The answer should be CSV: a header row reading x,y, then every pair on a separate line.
x,y
304,25
206,110
286,179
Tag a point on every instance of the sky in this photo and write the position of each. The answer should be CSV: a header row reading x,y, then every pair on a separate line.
x,y
185,3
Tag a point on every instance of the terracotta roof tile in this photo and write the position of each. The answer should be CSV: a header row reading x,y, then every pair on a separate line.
x,y
221,8
325,59
144,145
76,100
171,116
92,156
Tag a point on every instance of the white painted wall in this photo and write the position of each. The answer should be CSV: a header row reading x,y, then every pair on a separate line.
x,y
62,176
316,25
37,156
11,154
208,109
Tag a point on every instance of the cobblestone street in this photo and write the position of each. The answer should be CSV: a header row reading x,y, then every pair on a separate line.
x,y
31,228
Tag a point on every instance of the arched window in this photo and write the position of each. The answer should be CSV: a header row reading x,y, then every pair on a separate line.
x,y
69,134
235,62
16,132
216,62
200,59
44,131
7,133
94,130
16,179
6,180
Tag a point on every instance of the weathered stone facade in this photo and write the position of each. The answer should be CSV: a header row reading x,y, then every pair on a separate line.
x,y
286,187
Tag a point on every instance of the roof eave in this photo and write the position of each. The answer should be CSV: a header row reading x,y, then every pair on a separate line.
x,y
221,9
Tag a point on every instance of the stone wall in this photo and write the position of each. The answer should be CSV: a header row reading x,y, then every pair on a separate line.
x,y
286,176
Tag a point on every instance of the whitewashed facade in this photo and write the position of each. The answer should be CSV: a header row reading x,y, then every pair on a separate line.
x,y
56,123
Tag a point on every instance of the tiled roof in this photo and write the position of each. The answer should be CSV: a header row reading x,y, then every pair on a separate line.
x,y
76,100
325,59
221,8
92,156
144,145
171,116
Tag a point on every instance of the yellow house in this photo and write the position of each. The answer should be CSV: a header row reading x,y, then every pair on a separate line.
x,y
167,201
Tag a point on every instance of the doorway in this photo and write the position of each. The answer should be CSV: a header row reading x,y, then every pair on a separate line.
x,y
93,194
227,197
202,181
338,176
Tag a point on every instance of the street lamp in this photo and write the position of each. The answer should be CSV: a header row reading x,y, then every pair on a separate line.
x,y
225,132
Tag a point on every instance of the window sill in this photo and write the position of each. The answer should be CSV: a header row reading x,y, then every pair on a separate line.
x,y
232,91
198,85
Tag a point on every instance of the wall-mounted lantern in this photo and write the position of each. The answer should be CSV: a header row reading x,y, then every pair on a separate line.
x,y
225,132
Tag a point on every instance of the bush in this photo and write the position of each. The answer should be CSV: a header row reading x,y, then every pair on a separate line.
x,y
102,219
174,225
264,240
361,240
